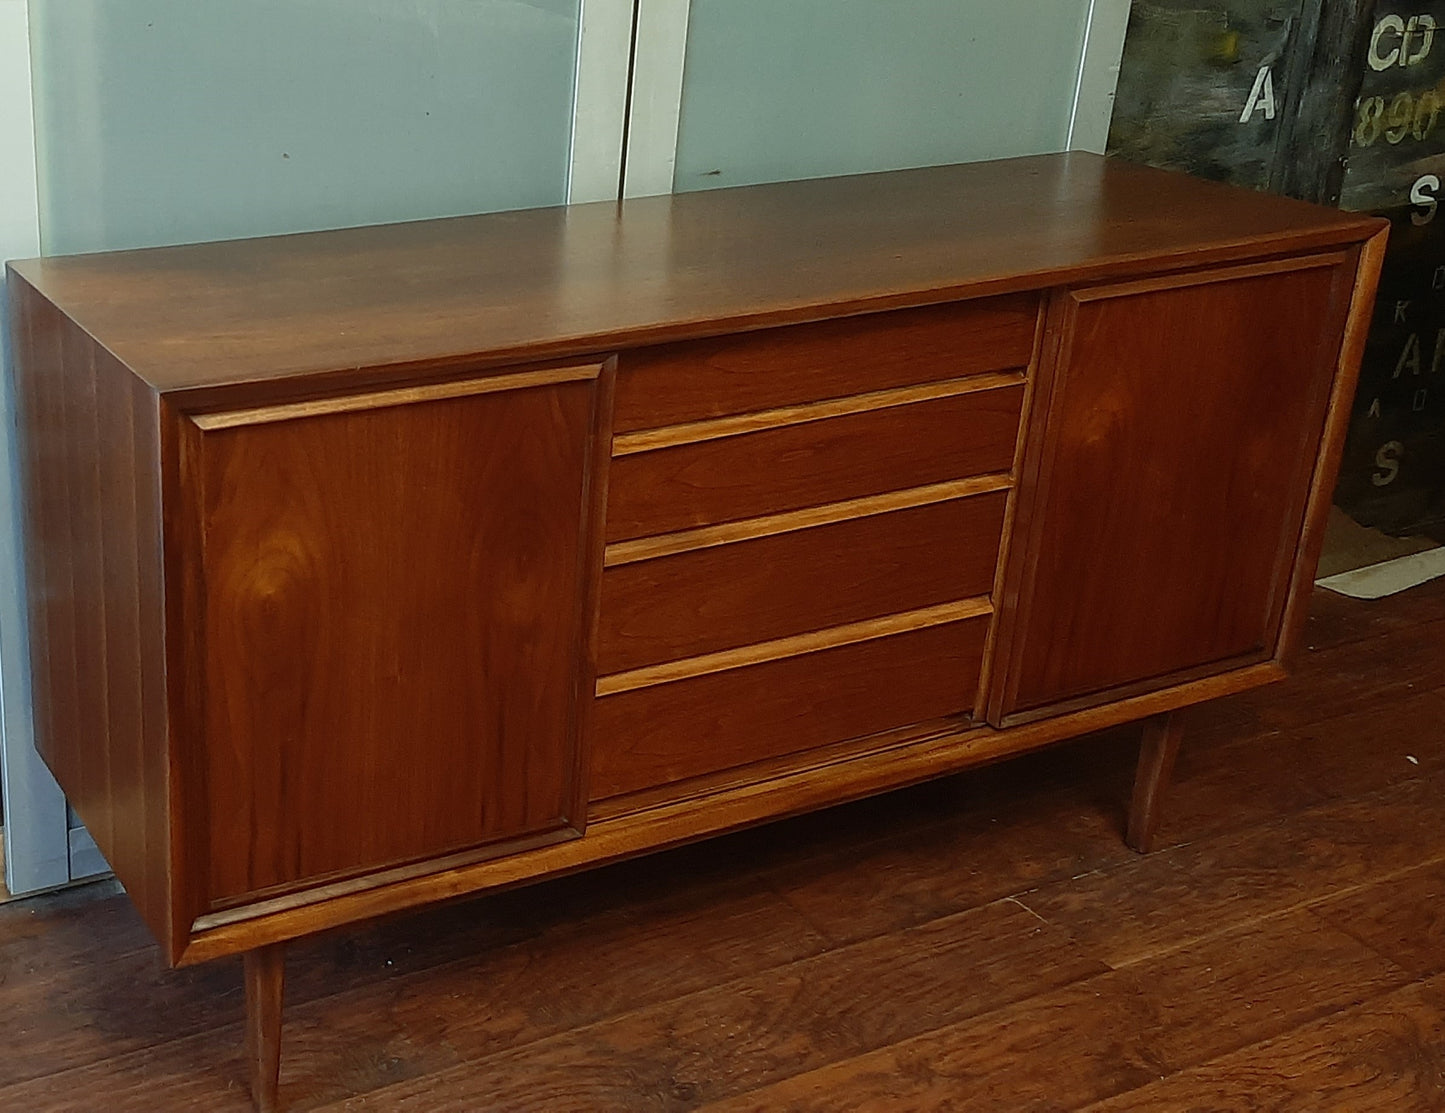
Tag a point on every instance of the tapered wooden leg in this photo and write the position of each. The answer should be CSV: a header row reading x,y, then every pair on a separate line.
x,y
1157,751
265,987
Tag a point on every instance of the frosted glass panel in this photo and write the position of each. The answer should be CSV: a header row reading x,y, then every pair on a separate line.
x,y
168,121
781,89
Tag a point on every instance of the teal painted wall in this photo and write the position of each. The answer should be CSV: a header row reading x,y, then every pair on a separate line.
x,y
170,121
778,89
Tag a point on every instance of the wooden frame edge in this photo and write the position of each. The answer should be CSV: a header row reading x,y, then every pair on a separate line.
x,y
1043,308
781,417
1337,418
396,396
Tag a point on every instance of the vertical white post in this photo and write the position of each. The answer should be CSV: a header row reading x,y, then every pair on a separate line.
x,y
37,851
1098,75
659,54
599,106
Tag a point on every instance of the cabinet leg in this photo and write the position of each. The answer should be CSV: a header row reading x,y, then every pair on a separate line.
x,y
1157,751
265,975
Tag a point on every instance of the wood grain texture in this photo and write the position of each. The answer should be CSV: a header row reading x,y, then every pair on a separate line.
x,y
89,453
676,383
796,645
669,732
705,537
431,392
552,283
1402,918
1117,1031
825,461
395,631
689,816
1323,78
716,428
1157,902
1381,1056
676,1055
265,978
1368,262
1207,480
770,587
323,640
436,1007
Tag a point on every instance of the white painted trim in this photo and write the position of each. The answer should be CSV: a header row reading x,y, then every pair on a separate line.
x,y
1098,75
37,844
599,105
1376,581
658,59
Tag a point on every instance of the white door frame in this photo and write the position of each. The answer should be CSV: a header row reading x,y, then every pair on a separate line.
x,y
1098,75
599,102
37,840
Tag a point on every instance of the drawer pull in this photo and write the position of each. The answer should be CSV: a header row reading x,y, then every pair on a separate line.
x,y
793,646
706,537
626,444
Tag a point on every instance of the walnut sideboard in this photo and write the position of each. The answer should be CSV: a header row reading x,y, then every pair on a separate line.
x,y
375,567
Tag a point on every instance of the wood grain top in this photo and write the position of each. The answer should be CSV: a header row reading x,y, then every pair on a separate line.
x,y
550,283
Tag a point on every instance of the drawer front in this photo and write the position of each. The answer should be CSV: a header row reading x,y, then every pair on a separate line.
x,y
722,596
669,732
770,470
691,381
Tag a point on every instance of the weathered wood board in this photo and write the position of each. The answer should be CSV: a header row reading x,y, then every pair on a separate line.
x,y
1393,473
1200,86
1332,101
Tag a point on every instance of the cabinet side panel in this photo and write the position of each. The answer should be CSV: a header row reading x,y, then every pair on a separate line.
x,y
90,471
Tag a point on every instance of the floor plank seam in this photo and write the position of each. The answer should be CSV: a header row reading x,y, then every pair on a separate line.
x,y
1238,925
1370,1000
575,1030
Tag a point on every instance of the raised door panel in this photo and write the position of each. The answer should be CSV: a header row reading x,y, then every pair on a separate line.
x,y
1162,499
396,593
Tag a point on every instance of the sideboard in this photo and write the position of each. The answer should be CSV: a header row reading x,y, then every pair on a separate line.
x,y
376,567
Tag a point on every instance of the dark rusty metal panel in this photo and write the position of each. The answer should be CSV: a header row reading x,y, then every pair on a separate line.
x,y
1201,85
1393,473
1336,101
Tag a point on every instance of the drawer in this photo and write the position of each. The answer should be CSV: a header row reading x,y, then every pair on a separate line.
x,y
704,724
707,599
691,381
771,470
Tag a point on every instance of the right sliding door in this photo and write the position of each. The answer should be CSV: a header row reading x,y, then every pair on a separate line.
x,y
1176,428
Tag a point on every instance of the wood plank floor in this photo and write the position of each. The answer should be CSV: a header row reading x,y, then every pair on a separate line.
x,y
981,943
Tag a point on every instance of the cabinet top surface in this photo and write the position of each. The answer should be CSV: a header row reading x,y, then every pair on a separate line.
x,y
559,282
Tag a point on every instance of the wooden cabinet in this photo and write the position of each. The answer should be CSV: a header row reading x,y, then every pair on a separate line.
x,y
375,567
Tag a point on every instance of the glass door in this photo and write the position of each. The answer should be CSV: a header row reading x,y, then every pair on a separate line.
x,y
734,92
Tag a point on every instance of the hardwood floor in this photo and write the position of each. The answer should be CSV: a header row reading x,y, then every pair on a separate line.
x,y
984,942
